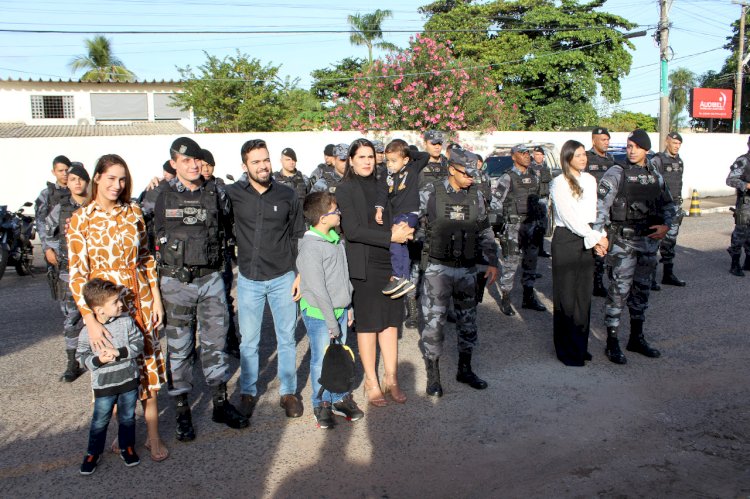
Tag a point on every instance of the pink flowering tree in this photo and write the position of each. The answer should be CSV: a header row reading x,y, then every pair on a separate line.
x,y
422,88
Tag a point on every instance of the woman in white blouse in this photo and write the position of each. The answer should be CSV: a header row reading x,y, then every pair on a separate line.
x,y
573,195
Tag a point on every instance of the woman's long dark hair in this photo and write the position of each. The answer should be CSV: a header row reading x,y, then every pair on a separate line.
x,y
566,154
353,148
102,165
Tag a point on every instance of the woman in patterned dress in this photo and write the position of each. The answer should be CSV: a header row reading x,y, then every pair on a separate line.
x,y
107,239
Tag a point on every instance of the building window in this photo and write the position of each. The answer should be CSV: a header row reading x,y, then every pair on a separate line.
x,y
52,106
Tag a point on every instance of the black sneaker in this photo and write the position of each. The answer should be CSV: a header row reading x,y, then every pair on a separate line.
x,y
130,457
394,285
88,466
324,416
348,409
408,286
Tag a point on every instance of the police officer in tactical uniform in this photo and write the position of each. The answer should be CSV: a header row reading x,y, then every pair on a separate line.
x,y
290,176
326,166
57,219
435,169
380,168
669,163
539,166
51,196
599,161
192,218
455,229
634,201
739,179
328,181
516,196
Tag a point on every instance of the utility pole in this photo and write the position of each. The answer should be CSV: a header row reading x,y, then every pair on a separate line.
x,y
664,54
739,77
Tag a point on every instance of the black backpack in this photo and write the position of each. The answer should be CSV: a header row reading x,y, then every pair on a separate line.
x,y
337,373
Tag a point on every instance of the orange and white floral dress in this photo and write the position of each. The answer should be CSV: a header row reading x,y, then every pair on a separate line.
x,y
113,246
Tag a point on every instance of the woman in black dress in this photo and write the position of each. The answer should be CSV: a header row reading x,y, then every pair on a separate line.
x,y
574,198
377,316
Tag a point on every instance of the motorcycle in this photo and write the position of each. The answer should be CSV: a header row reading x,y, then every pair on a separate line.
x,y
16,233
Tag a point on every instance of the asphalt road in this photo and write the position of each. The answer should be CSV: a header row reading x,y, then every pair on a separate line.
x,y
678,426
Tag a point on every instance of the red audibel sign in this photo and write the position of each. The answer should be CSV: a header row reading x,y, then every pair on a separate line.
x,y
711,103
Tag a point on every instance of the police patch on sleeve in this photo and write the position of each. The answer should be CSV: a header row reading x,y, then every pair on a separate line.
x,y
603,191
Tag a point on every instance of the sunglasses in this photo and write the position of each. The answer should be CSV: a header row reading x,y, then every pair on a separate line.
x,y
462,172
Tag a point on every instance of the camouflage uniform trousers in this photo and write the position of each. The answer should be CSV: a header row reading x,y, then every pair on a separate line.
x,y
667,245
633,263
522,249
73,322
198,306
440,284
740,239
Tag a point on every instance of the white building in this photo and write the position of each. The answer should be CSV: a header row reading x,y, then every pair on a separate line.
x,y
39,108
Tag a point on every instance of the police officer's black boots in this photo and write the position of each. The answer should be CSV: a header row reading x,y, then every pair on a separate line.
x,y
613,352
224,412
637,343
654,285
599,288
74,370
505,305
747,262
466,375
434,389
530,301
736,269
411,308
669,277
184,430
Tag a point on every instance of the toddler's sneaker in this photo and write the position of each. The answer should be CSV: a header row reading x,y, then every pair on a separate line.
x,y
89,463
408,286
130,457
394,285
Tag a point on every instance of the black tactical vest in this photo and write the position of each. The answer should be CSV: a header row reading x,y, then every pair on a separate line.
x,y
598,165
523,195
192,229
433,172
56,195
545,177
296,182
452,235
671,170
67,208
332,181
637,198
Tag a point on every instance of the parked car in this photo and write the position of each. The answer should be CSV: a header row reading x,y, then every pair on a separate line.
x,y
499,160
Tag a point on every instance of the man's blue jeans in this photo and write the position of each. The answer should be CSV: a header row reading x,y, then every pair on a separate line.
x,y
103,407
251,300
317,335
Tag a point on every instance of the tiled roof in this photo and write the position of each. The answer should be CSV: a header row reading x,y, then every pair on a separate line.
x,y
21,130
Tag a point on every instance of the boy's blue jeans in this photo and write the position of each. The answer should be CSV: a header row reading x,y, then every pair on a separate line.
x,y
399,252
103,407
317,335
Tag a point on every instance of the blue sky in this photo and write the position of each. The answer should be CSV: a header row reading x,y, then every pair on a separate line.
x,y
699,26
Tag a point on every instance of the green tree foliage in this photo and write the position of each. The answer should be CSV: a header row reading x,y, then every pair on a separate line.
x,y
681,81
100,63
626,121
238,94
330,82
367,30
549,57
423,87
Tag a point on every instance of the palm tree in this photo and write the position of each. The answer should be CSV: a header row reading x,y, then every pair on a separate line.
x,y
101,64
366,30
681,80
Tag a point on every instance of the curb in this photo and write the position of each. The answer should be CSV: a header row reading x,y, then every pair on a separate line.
x,y
718,209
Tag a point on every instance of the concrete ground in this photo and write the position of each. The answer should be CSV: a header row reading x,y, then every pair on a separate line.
x,y
678,426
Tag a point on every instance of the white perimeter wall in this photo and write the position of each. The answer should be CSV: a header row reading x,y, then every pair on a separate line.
x,y
27,162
